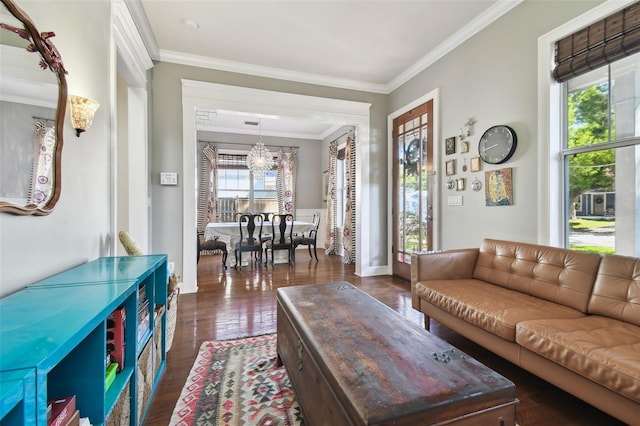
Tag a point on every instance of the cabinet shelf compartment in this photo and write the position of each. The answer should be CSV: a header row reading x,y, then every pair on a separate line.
x,y
17,390
56,328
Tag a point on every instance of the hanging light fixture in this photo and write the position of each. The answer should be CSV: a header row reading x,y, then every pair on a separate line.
x,y
259,160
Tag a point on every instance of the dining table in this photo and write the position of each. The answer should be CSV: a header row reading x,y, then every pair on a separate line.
x,y
230,232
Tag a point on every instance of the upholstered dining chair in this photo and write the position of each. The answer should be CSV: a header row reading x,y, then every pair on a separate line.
x,y
281,237
310,239
210,245
250,237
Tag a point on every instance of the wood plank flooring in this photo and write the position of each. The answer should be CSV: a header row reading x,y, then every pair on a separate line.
x,y
231,304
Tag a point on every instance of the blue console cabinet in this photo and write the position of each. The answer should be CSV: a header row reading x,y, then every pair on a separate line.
x,y
53,339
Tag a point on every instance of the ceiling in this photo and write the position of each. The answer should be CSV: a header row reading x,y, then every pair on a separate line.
x,y
368,45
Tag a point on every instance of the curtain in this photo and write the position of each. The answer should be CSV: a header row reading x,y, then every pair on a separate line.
x,y
349,226
330,228
286,180
44,139
208,187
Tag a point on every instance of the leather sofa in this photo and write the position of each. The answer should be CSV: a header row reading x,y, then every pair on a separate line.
x,y
571,318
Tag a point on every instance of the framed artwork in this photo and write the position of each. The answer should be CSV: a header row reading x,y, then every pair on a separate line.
x,y
475,164
464,147
460,184
498,187
450,145
451,167
325,184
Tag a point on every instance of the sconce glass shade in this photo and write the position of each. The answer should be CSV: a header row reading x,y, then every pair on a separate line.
x,y
82,112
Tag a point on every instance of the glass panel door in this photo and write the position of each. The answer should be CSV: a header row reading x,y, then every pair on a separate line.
x,y
412,199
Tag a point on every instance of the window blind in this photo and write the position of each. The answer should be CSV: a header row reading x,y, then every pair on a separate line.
x,y
599,44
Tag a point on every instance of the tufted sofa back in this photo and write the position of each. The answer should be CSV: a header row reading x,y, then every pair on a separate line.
x,y
616,293
559,275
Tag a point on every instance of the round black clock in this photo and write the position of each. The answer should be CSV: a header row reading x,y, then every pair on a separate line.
x,y
497,144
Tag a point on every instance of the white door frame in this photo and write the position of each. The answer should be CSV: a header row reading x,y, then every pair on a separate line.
x,y
212,96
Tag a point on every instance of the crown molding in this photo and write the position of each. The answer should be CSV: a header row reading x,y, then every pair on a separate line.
x,y
479,23
144,29
130,45
465,33
277,73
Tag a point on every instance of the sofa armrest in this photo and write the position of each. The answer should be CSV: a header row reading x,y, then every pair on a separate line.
x,y
444,265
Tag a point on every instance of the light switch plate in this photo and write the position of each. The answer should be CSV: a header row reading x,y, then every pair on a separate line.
x,y
168,178
454,200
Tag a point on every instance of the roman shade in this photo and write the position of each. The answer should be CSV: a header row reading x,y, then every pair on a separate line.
x,y
599,44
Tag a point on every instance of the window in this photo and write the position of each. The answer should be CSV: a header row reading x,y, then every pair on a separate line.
x,y
238,191
601,159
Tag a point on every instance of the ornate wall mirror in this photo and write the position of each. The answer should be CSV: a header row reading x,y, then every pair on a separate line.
x,y
33,99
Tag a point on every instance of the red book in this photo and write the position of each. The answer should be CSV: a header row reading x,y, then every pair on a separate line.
x,y
115,337
62,410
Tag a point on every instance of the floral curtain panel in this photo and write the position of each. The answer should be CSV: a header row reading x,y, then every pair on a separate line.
x,y
208,187
330,228
349,226
44,139
287,164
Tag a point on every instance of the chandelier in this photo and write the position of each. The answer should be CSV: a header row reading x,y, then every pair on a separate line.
x,y
259,160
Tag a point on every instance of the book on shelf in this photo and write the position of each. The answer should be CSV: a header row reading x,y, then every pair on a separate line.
x,y
60,410
110,375
115,337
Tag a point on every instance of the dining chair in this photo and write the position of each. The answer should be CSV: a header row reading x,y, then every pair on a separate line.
x,y
250,237
210,245
308,240
281,237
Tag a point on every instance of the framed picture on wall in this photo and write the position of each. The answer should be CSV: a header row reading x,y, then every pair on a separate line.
x,y
451,167
325,184
475,164
450,145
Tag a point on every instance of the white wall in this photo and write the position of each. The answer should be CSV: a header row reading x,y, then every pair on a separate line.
x,y
492,78
77,230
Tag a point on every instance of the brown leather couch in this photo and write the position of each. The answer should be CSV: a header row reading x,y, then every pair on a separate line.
x,y
571,318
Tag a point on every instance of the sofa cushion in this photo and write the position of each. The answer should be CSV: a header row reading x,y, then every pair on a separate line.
x,y
558,275
493,308
603,349
616,293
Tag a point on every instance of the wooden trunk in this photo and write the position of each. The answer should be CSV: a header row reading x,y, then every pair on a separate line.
x,y
353,360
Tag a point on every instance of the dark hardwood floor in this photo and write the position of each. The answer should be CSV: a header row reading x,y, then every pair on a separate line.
x,y
231,304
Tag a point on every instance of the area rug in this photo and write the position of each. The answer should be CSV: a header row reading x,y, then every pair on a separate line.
x,y
237,382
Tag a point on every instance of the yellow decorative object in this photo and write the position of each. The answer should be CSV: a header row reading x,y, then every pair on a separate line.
x,y
130,246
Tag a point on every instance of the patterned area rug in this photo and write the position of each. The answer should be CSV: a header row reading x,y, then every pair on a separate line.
x,y
236,382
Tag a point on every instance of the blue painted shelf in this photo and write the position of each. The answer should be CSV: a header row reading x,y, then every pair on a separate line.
x,y
54,331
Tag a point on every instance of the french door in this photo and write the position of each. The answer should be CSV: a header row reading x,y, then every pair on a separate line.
x,y
412,186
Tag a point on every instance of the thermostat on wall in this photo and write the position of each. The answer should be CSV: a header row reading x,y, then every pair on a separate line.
x,y
168,178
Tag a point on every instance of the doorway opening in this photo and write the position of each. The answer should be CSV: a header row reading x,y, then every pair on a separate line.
x,y
196,94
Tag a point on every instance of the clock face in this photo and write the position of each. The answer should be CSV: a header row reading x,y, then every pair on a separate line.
x,y
497,144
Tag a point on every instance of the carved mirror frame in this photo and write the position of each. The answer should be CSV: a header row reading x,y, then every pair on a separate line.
x,y
50,59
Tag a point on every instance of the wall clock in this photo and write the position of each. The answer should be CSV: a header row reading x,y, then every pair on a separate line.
x,y
497,144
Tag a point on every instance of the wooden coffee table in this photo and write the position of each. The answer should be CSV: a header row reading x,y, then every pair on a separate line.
x,y
353,360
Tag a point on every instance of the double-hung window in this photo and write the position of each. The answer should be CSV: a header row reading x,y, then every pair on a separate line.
x,y
600,146
240,192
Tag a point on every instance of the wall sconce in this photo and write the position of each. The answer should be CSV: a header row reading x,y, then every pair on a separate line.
x,y
82,112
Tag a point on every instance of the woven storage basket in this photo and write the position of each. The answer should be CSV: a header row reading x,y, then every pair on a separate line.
x,y
172,316
157,344
145,381
121,412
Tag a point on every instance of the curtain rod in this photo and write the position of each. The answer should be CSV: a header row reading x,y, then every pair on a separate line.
x,y
348,132
42,118
250,144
